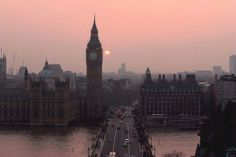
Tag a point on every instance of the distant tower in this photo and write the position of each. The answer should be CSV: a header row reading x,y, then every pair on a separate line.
x,y
94,59
123,67
3,69
232,64
217,70
122,70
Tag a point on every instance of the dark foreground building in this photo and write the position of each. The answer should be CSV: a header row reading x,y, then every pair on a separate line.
x,y
171,103
218,134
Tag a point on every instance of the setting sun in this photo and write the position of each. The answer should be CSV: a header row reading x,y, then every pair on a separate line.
x,y
107,52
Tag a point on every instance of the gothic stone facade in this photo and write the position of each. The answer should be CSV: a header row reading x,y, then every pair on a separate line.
x,y
36,105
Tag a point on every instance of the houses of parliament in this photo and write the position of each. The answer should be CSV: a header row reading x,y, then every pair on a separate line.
x,y
53,97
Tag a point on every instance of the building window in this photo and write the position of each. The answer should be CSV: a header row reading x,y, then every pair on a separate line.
x,y
0,109
61,111
44,110
5,110
36,112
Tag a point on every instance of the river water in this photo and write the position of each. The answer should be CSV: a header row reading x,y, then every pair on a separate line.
x,y
74,142
170,140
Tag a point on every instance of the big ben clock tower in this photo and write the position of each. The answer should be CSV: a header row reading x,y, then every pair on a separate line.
x,y
94,58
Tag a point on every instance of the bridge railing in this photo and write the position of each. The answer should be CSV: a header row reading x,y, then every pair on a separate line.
x,y
146,147
96,145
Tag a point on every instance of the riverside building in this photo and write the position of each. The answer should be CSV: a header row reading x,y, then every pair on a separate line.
x,y
170,103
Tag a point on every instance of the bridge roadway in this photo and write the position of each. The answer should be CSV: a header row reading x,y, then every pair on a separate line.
x,y
115,138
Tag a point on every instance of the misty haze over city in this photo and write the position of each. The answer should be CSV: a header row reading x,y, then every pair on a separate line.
x,y
167,36
118,78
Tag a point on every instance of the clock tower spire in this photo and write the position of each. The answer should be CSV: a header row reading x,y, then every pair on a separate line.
x,y
94,40
94,28
94,59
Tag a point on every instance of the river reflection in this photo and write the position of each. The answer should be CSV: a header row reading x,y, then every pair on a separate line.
x,y
74,141
167,140
45,142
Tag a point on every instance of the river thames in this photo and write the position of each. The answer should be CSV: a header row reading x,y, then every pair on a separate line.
x,y
74,141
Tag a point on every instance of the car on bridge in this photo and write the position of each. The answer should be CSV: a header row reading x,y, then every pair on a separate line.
x,y
127,141
125,144
112,154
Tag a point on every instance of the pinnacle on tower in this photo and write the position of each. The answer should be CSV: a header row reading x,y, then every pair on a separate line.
x,y
148,75
94,28
148,71
46,62
26,74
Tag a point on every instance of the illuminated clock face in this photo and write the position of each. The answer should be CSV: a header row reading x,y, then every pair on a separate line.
x,y
93,56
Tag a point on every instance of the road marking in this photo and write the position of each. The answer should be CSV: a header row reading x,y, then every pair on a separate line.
x,y
114,138
129,141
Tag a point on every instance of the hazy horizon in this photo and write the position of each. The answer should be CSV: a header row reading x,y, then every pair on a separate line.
x,y
167,36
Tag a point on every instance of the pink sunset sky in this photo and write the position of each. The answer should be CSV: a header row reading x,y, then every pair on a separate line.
x,y
166,35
